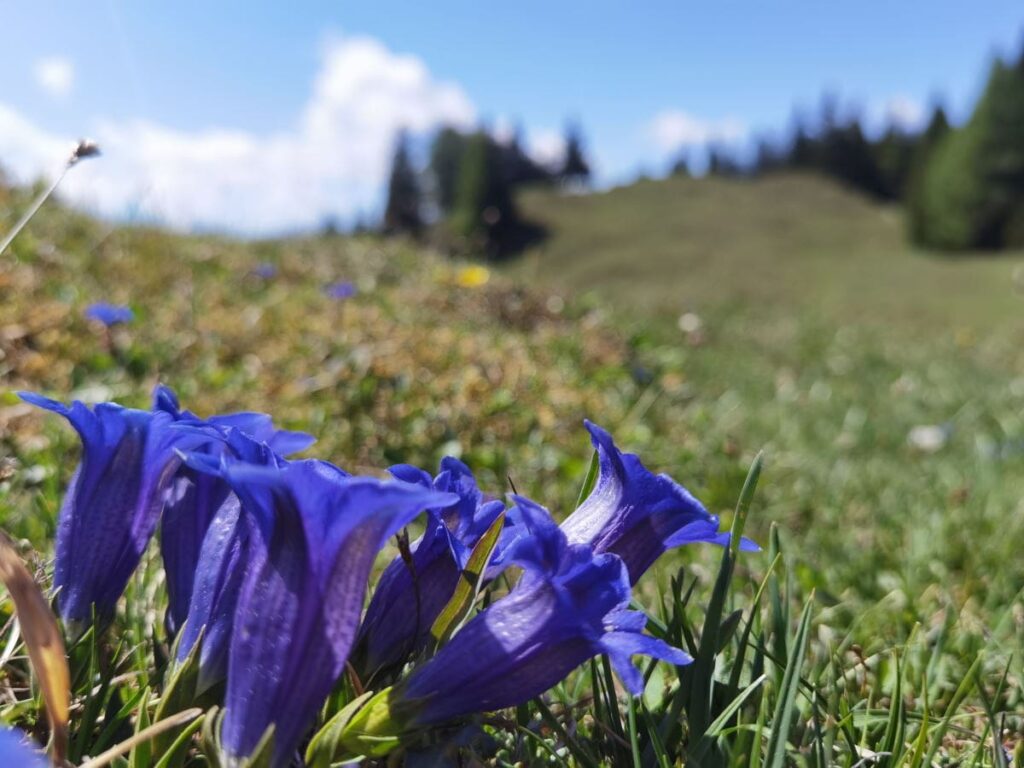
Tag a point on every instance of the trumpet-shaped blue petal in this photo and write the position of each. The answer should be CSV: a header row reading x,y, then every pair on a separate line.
x,y
16,751
113,503
563,612
409,597
195,497
221,561
312,533
636,514
258,426
531,540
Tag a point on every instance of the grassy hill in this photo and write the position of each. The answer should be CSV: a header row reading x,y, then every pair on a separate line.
x,y
823,341
783,244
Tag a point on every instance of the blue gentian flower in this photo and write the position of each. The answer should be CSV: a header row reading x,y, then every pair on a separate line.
x,y
569,606
636,514
113,504
312,535
265,271
221,560
109,314
195,497
531,540
16,750
341,290
406,602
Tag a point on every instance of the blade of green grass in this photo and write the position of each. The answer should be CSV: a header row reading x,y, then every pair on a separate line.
x,y
786,705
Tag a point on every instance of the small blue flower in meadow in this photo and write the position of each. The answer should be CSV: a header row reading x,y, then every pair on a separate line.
x,y
407,600
636,514
569,606
265,271
109,314
17,751
341,290
312,535
194,498
113,503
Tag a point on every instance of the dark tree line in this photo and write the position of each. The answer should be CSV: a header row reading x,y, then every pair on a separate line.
x,y
962,188
466,191
838,148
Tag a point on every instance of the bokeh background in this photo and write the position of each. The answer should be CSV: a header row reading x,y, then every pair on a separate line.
x,y
420,230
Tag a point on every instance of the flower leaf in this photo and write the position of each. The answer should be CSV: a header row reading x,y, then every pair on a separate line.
x,y
469,585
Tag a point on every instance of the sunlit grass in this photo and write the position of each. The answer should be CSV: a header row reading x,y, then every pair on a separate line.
x,y
913,638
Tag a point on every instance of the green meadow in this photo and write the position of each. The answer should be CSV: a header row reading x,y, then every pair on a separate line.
x,y
701,322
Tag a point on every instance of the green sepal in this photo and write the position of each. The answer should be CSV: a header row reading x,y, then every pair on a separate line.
x,y
209,737
264,752
214,752
371,731
327,741
176,753
178,695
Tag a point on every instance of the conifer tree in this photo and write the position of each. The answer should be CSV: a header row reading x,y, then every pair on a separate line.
x,y
894,157
972,193
517,166
403,214
575,169
484,210
446,154
803,149
930,138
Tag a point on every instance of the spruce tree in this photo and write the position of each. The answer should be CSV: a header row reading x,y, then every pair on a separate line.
x,y
517,166
484,211
575,169
894,157
930,138
446,154
972,192
803,149
402,214
847,155
681,166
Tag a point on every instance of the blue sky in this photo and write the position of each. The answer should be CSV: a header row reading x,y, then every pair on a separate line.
x,y
266,117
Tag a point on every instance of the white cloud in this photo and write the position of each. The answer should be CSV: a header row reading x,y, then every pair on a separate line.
x,y
504,130
673,129
55,75
905,112
547,148
333,161
25,151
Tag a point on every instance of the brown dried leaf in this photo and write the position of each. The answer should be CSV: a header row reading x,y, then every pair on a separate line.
x,y
43,640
